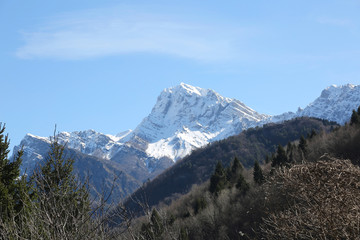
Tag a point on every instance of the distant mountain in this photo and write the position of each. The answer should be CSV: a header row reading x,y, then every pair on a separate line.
x,y
334,104
101,172
93,143
184,118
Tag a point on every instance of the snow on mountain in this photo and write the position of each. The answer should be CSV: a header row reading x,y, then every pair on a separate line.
x,y
334,104
183,118
88,142
34,150
123,136
186,117
92,143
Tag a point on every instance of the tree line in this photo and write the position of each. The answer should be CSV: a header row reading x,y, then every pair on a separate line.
x,y
234,203
49,203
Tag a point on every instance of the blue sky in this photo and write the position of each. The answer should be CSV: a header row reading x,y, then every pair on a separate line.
x,y
101,64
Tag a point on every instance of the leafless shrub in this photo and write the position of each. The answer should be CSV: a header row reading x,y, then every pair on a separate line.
x,y
317,200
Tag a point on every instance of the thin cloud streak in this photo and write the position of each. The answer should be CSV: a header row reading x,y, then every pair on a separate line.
x,y
94,34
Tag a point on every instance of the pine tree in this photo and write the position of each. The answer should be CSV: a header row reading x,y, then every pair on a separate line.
x,y
60,196
200,204
154,228
242,185
290,152
267,159
156,223
355,118
258,175
280,159
218,179
234,171
289,148
312,134
303,145
13,188
291,157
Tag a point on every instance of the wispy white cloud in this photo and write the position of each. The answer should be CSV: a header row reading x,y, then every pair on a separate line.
x,y
106,32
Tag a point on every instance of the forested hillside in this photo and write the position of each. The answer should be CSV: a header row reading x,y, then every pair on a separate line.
x,y
312,194
307,189
249,146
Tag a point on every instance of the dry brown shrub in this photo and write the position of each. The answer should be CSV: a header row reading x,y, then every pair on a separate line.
x,y
319,200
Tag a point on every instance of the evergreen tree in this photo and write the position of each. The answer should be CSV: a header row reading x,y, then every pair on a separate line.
x,y
267,159
146,232
13,188
355,118
280,159
154,229
200,204
59,194
242,185
289,148
291,157
312,134
303,145
236,166
290,152
258,175
156,223
234,171
218,179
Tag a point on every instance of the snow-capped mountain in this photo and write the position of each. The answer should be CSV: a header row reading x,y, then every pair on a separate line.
x,y
101,172
334,104
186,117
88,142
93,143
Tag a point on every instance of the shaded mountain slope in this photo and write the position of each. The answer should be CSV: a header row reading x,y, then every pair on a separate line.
x,y
101,173
104,176
250,145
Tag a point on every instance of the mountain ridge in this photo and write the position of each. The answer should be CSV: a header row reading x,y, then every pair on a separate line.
x,y
249,146
184,118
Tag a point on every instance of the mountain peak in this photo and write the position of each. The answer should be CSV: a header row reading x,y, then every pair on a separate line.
x,y
187,117
191,89
345,86
186,89
188,93
334,91
335,103
30,136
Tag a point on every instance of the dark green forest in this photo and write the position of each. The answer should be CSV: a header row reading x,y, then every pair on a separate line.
x,y
295,180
